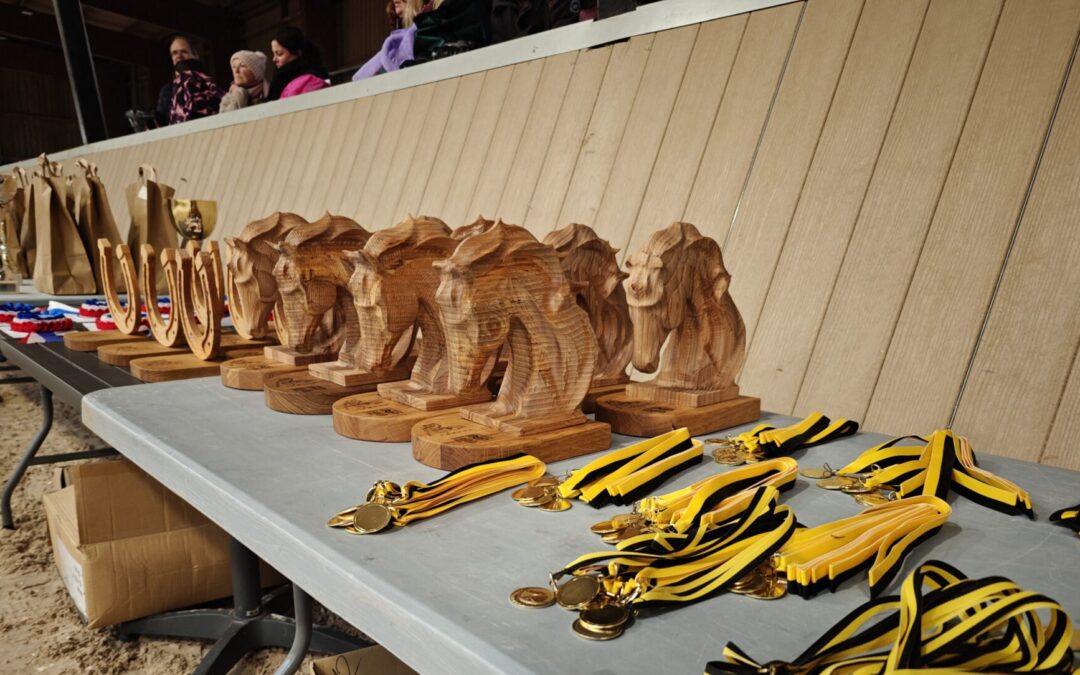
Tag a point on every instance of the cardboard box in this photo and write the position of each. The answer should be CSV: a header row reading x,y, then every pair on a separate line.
x,y
126,547
373,660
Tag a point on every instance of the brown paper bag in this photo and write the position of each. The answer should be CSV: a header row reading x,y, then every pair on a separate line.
x,y
151,220
93,215
13,199
61,264
27,234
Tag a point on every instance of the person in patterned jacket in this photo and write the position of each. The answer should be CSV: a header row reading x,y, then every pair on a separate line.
x,y
195,94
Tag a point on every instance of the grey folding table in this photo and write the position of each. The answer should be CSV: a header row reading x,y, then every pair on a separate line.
x,y
436,592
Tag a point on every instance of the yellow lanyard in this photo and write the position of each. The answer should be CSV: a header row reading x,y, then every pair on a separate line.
x,y
1069,518
389,504
767,441
939,464
941,622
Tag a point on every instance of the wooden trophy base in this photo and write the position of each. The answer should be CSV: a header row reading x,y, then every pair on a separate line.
x,y
123,354
250,372
588,404
344,375
91,341
450,442
184,366
390,418
290,357
640,417
301,393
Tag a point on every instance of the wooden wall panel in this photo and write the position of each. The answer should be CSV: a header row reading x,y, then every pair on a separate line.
x,y
455,210
900,202
1060,447
243,148
1011,402
252,187
333,178
787,147
451,146
965,247
597,152
504,141
535,142
703,87
372,186
396,170
332,129
566,141
740,121
304,164
347,203
629,176
830,200
430,138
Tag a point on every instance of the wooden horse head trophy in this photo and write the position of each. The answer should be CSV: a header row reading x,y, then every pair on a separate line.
x,y
504,286
592,267
312,274
253,291
678,292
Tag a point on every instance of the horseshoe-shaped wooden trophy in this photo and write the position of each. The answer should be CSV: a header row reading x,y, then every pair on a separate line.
x,y
126,319
503,287
592,267
253,294
393,289
678,286
312,274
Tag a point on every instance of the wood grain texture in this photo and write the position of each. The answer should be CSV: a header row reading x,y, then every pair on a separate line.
x,y
979,207
250,372
830,201
688,129
91,341
124,354
632,416
787,148
415,179
301,393
504,141
333,178
649,117
493,96
1010,399
320,130
594,160
899,205
740,120
183,366
520,181
451,145
386,150
359,164
397,167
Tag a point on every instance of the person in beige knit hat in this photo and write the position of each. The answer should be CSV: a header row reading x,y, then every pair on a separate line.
x,y
249,81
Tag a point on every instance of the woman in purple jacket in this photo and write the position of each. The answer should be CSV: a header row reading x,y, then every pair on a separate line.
x,y
398,47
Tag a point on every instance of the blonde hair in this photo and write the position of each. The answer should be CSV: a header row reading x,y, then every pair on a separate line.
x,y
412,8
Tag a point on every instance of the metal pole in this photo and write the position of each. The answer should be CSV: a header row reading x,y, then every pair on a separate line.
x,y
80,67
302,636
244,564
28,456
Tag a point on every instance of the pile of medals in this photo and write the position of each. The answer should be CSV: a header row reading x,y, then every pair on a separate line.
x,y
765,441
671,568
619,477
389,504
941,621
1069,518
935,466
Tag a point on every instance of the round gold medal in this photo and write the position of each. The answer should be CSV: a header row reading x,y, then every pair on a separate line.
x,y
577,592
604,617
774,587
545,481
532,597
816,473
589,634
836,482
372,517
603,527
556,504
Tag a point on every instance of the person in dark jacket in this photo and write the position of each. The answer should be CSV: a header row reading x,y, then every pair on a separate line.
x,y
180,49
195,94
299,65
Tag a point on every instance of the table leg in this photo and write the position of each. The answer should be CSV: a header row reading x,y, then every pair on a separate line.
x,y
28,456
302,634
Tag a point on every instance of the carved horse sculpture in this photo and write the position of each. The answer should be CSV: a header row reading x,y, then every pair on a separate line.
x,y
591,266
312,277
678,285
504,286
253,291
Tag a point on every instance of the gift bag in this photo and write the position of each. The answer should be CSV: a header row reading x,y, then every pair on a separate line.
x,y
27,235
151,220
93,215
61,263
12,209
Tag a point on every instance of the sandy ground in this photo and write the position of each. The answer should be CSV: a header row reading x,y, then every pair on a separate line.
x,y
40,632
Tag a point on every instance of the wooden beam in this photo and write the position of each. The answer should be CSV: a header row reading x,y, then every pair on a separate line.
x,y
105,44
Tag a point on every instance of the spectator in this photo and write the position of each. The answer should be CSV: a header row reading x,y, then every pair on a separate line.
x,y
299,65
195,94
180,49
453,27
249,84
398,47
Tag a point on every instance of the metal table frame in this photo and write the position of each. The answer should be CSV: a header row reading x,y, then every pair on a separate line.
x,y
253,622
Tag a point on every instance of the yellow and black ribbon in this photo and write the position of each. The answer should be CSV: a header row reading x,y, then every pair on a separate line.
x,y
1069,518
935,466
765,440
941,622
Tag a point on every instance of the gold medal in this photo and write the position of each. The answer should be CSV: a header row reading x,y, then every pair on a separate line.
x,y
871,499
855,487
372,517
577,592
729,458
556,504
604,527
605,617
590,634
342,518
532,597
622,520
613,537
632,531
815,473
836,482
545,481
774,587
